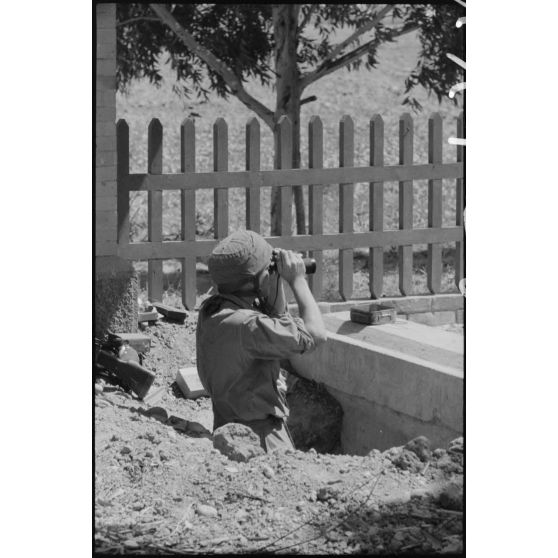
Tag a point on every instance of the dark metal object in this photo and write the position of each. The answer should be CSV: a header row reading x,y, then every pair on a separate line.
x,y
119,359
373,314
309,264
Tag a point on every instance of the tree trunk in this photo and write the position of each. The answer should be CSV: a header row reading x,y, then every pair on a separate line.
x,y
285,19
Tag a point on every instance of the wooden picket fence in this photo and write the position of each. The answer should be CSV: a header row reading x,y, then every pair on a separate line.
x,y
316,177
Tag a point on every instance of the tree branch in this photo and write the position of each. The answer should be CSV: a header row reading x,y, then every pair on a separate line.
x,y
360,31
327,68
217,65
133,19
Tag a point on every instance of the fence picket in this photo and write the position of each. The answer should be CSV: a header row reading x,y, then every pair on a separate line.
x,y
188,211
405,203
346,191
434,262
155,208
123,169
376,255
316,199
253,163
459,204
220,163
285,161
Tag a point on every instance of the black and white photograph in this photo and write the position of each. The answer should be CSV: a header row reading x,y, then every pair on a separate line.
x,y
279,278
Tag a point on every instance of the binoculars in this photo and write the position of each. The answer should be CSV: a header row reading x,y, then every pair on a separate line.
x,y
309,264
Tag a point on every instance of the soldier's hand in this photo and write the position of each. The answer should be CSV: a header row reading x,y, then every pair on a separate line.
x,y
290,265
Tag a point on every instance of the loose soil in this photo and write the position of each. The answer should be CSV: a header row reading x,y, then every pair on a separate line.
x,y
161,487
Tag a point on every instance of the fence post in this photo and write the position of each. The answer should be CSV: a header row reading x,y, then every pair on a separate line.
x,y
346,191
220,163
253,163
123,169
376,223
434,262
315,200
188,211
459,203
285,161
155,208
405,203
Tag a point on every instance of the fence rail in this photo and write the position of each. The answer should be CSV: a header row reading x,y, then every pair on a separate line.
x,y
154,182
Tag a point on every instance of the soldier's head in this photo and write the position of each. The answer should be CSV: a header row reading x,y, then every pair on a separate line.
x,y
240,262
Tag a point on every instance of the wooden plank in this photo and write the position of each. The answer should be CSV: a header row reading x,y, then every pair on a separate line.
x,y
122,169
376,223
346,205
434,261
284,161
155,208
338,241
459,204
405,203
291,177
220,163
188,211
316,201
253,163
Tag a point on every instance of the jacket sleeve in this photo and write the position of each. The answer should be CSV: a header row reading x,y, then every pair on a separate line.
x,y
278,337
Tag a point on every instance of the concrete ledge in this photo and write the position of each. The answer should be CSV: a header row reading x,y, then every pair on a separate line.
x,y
377,385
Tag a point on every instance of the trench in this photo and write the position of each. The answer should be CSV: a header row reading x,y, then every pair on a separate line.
x,y
376,387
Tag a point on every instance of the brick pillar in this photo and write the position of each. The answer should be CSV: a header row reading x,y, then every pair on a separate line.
x,y
116,284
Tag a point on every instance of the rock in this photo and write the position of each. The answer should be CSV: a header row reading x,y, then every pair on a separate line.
x,y
438,452
456,445
268,471
451,496
163,455
237,442
98,388
197,428
125,450
172,434
408,460
420,446
206,511
326,493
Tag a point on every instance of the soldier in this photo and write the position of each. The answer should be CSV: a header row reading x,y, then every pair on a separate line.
x,y
245,330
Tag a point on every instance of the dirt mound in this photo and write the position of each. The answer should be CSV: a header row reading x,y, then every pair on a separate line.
x,y
161,487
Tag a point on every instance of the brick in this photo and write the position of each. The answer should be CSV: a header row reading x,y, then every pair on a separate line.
x,y
105,82
106,67
106,143
105,248
105,98
189,382
105,129
138,341
105,188
106,36
106,10
105,114
106,220
105,173
105,158
107,203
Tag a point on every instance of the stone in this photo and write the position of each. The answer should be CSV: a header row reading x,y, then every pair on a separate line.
x,y
268,471
206,511
189,383
237,442
408,460
456,446
125,450
420,446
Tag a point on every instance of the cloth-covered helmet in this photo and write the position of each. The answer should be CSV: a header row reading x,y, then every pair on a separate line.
x,y
238,258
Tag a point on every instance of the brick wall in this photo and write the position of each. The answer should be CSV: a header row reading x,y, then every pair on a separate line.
x,y
105,132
